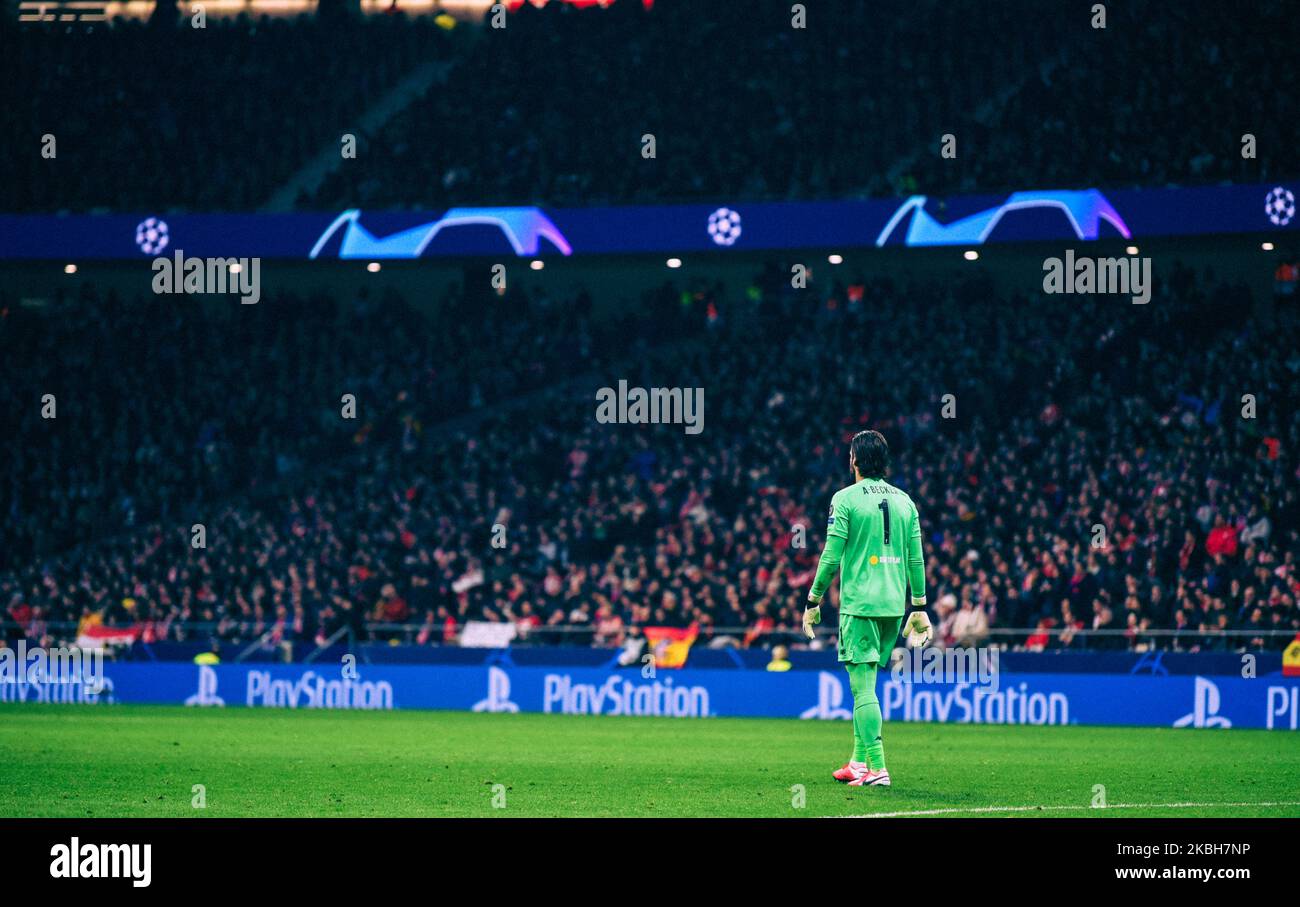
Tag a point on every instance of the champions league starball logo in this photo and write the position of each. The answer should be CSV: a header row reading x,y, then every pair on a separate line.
x,y
724,227
151,235
1279,205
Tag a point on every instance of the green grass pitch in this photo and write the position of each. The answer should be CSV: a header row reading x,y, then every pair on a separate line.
x,y
102,761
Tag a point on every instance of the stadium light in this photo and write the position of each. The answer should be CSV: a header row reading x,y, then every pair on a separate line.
x,y
537,264
971,255
69,269
835,259
373,267
235,268
1131,250
674,262
1267,247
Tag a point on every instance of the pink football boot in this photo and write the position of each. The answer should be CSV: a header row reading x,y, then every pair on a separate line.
x,y
871,778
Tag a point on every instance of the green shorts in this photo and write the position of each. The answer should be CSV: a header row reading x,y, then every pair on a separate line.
x,y
868,640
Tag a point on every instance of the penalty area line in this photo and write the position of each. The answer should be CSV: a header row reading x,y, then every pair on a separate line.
x,y
955,810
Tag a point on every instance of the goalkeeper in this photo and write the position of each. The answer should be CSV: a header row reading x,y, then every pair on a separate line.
x,y
873,536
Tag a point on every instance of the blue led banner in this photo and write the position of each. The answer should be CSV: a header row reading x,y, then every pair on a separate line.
x,y
1219,701
1068,215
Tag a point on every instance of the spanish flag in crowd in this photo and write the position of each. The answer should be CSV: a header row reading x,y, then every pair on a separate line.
x,y
671,645
1291,658
97,636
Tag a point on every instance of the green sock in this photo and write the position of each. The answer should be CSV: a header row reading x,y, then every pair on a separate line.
x,y
867,719
859,745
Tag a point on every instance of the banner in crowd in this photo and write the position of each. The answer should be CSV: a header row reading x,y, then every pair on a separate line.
x,y
1070,215
94,635
670,645
1291,659
488,634
1271,702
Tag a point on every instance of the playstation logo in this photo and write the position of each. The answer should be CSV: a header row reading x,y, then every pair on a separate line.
x,y
498,697
1206,707
207,692
830,698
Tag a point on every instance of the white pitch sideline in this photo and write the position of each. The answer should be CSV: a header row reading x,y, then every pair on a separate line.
x,y
1033,809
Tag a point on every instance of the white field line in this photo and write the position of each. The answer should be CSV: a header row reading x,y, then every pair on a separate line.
x,y
1033,809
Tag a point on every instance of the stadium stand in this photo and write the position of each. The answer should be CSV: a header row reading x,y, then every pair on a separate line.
x,y
211,119
1067,417
504,127
566,135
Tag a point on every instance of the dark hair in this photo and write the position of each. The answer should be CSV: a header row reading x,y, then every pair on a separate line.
x,y
870,454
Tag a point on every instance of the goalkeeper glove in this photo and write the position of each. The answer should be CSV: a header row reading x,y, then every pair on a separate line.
x,y
812,616
917,629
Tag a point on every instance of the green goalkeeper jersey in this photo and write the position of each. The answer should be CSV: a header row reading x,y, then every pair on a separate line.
x,y
873,534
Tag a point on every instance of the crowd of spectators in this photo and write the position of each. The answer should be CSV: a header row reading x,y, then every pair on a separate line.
x,y
1075,468
556,107
1068,417
143,118
154,416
